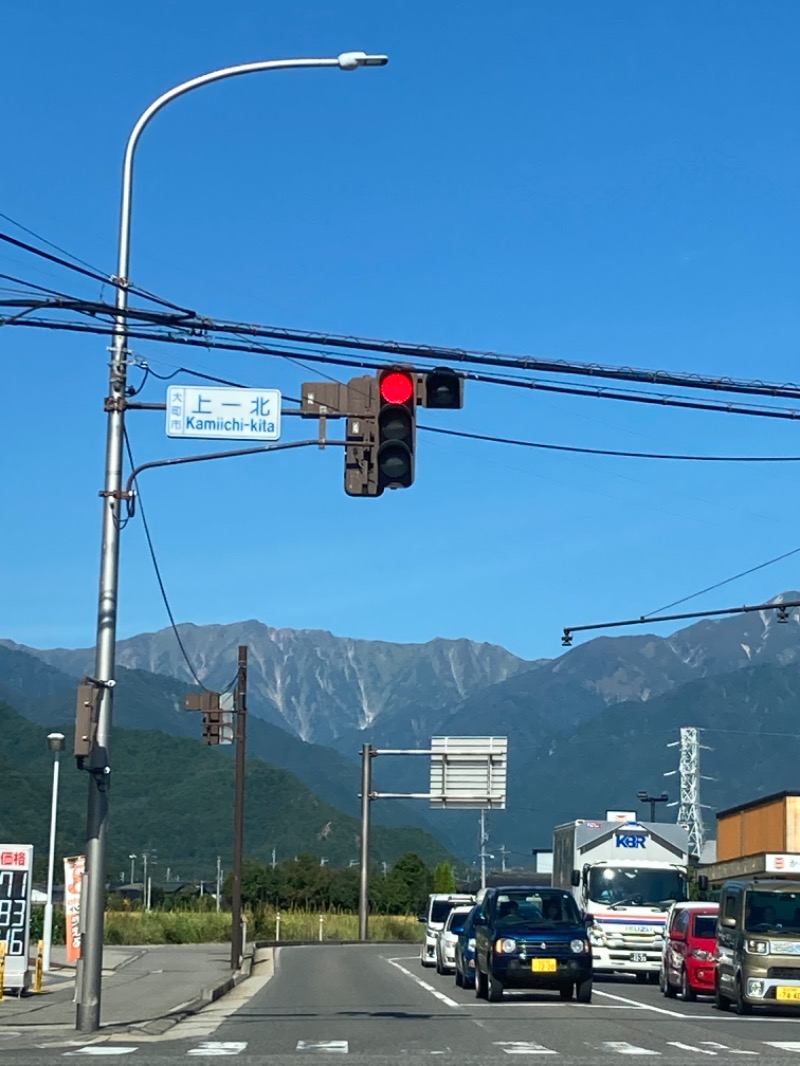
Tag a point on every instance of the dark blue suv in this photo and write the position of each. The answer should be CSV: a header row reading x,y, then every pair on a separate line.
x,y
534,938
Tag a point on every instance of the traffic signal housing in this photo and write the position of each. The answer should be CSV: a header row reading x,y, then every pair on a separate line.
x,y
442,388
397,429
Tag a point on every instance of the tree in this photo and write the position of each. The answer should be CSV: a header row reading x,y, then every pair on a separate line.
x,y
444,880
407,885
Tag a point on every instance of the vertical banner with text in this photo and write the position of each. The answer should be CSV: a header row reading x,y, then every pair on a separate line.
x,y
73,880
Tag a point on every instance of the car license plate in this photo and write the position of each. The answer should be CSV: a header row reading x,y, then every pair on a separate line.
x,y
543,965
638,956
782,992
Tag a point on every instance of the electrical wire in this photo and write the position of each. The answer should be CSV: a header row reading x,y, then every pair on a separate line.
x,y
614,453
95,275
726,581
606,393
159,578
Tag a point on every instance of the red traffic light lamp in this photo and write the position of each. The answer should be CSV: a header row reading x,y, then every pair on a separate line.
x,y
396,428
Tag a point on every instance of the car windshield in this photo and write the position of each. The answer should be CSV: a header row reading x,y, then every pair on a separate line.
x,y
457,922
633,886
538,908
767,912
705,926
440,908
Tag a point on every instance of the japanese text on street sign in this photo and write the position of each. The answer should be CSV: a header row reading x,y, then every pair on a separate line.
x,y
223,414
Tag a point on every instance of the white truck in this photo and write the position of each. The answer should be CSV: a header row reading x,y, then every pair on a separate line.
x,y
626,875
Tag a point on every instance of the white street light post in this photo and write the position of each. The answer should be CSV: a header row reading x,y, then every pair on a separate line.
x,y
89,979
55,742
133,869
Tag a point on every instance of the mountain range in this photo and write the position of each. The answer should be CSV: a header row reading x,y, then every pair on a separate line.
x,y
586,730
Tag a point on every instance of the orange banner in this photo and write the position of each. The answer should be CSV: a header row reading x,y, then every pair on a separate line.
x,y
73,880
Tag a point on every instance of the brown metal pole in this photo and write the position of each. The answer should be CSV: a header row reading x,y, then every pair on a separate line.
x,y
238,814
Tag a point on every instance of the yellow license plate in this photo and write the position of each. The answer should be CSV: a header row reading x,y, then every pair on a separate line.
x,y
781,992
546,966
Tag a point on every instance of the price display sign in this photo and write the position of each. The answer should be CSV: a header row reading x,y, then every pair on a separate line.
x,y
16,868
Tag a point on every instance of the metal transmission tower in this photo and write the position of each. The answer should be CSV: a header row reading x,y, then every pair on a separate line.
x,y
690,808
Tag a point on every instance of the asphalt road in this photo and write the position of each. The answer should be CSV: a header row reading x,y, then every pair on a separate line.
x,y
375,1004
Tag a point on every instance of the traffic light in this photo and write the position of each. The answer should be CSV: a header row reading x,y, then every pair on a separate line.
x,y
397,415
442,388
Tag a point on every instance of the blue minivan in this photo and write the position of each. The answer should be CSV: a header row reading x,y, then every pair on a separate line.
x,y
532,938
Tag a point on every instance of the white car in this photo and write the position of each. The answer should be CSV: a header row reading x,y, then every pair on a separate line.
x,y
439,906
448,938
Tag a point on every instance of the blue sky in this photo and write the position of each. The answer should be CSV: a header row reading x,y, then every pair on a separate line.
x,y
607,182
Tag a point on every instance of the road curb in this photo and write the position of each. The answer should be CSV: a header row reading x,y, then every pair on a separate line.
x,y
207,996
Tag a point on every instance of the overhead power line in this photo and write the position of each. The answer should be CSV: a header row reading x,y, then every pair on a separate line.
x,y
615,454
598,392
428,354
95,275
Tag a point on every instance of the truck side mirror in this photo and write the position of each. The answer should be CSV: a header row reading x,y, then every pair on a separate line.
x,y
422,917
575,879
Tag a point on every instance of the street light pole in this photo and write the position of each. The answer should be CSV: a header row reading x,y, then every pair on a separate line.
x,y
645,797
89,981
55,742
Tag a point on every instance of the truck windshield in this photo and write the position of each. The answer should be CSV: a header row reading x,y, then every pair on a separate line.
x,y
769,912
635,886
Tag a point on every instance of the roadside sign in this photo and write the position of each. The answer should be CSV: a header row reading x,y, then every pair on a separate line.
x,y
16,868
469,772
213,413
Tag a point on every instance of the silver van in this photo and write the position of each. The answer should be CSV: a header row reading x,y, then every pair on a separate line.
x,y
758,944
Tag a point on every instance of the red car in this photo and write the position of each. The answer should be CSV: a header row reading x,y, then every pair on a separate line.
x,y
690,940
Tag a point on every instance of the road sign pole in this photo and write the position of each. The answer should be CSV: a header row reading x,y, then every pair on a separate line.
x,y
367,753
238,815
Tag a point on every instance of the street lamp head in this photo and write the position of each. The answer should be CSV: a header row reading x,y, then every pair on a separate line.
x,y
664,797
643,796
55,741
353,60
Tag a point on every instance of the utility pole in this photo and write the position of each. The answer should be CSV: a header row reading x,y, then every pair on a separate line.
x,y
238,814
219,880
363,888
502,849
273,859
483,849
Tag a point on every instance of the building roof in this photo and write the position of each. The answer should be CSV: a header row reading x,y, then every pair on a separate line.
x,y
756,803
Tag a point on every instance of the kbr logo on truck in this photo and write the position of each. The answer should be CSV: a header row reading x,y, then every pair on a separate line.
x,y
631,840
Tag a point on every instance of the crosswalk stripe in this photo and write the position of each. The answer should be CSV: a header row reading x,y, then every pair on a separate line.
x,y
691,1047
724,1047
784,1045
340,1046
622,1047
523,1047
102,1049
219,1047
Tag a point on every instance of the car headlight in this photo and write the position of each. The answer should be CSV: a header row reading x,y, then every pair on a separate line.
x,y
506,946
702,954
756,947
596,935
579,946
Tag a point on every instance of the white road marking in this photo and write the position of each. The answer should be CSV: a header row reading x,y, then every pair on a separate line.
x,y
643,1006
622,1047
424,984
724,1047
523,1047
784,1045
219,1047
691,1047
102,1049
338,1046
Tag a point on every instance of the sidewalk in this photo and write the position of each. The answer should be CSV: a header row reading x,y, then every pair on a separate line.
x,y
144,989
